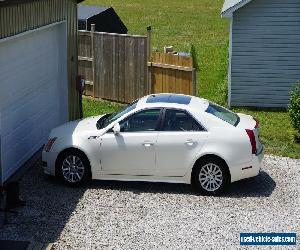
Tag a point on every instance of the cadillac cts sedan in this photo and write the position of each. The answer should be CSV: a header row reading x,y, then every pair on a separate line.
x,y
158,138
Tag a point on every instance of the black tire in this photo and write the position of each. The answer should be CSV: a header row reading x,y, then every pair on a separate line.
x,y
206,185
83,173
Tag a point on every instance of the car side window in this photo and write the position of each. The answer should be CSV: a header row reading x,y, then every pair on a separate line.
x,y
146,120
178,120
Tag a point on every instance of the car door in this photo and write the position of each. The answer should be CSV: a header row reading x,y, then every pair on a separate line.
x,y
132,151
178,143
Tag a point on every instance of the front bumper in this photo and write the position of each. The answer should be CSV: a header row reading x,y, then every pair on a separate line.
x,y
48,162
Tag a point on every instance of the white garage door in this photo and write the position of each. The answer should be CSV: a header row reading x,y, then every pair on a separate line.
x,y
33,92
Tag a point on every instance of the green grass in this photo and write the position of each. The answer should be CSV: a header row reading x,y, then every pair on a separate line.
x,y
182,23
97,107
277,132
198,22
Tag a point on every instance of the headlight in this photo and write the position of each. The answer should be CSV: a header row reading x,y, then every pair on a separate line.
x,y
49,144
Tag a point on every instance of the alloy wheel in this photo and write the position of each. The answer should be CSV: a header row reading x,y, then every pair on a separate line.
x,y
72,169
211,177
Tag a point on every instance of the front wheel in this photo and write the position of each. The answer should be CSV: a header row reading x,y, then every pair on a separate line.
x,y
73,168
211,177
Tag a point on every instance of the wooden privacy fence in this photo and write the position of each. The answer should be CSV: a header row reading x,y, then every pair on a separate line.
x,y
172,74
118,67
114,65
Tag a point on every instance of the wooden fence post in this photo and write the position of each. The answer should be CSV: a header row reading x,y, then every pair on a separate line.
x,y
194,77
93,55
149,59
149,47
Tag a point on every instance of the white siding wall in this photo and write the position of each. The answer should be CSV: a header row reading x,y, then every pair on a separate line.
x,y
34,93
265,53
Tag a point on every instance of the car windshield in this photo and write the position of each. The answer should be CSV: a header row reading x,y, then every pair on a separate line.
x,y
109,118
223,114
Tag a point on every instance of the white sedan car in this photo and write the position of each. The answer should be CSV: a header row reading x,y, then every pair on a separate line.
x,y
159,138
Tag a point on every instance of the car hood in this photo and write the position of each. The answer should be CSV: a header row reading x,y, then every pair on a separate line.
x,y
73,127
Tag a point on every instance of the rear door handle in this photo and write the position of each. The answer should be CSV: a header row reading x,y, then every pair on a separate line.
x,y
148,143
190,142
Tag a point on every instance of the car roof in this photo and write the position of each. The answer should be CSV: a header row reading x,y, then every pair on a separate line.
x,y
168,100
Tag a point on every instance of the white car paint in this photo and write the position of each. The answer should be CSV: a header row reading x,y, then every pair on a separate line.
x,y
180,148
128,154
158,156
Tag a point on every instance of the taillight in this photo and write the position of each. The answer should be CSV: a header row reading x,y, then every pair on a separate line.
x,y
257,123
251,135
49,144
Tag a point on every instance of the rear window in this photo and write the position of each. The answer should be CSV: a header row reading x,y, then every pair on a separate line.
x,y
223,114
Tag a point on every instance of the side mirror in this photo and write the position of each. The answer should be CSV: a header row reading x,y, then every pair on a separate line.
x,y
117,129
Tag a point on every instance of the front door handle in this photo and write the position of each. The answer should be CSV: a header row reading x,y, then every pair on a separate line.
x,y
190,142
148,143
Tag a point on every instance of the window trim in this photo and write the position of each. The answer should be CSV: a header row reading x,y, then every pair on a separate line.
x,y
138,111
215,116
161,128
131,104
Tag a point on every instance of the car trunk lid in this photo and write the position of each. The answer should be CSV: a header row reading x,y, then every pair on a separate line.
x,y
247,122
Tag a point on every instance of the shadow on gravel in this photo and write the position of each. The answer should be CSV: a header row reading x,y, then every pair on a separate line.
x,y
142,187
49,205
260,186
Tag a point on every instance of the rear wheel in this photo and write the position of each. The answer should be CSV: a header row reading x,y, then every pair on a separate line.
x,y
211,176
73,168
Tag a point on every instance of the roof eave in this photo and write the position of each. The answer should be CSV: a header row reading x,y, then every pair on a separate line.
x,y
226,14
229,12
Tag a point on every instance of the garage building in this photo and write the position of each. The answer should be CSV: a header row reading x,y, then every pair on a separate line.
x,y
105,19
38,68
264,51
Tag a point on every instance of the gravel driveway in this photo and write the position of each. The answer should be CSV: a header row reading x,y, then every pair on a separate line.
x,y
117,215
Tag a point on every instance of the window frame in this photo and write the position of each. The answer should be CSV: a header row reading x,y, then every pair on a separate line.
x,y
162,122
139,111
211,104
130,105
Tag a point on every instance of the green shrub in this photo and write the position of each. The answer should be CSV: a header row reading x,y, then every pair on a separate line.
x,y
294,108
